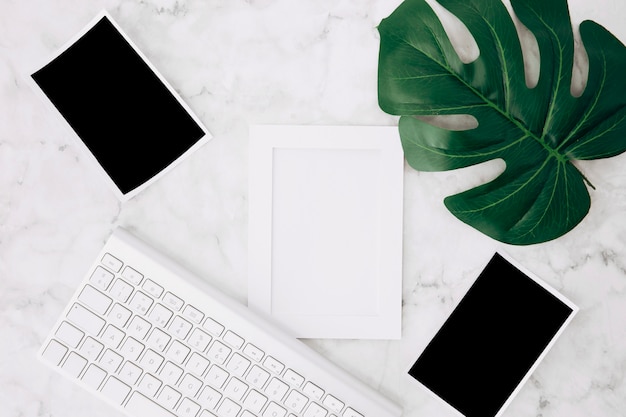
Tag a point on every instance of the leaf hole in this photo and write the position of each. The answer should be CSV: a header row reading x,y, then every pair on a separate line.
x,y
475,175
530,50
580,69
532,57
460,37
451,121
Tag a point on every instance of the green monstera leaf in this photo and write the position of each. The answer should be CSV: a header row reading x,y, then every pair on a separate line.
x,y
539,132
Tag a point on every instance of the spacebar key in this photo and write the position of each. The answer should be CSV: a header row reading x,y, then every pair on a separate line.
x,y
139,405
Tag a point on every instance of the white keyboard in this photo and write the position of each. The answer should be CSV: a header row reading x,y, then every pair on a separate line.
x,y
141,334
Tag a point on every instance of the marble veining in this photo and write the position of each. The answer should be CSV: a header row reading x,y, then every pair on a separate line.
x,y
237,63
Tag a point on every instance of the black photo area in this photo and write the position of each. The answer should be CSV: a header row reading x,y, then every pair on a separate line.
x,y
491,340
120,109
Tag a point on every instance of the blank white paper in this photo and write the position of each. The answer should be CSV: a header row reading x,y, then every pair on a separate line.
x,y
325,227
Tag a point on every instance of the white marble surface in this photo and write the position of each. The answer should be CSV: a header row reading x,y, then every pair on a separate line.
x,y
272,61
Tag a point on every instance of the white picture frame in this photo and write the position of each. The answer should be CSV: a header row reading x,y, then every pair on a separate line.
x,y
325,229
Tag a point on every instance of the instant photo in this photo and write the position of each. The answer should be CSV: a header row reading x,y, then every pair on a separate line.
x,y
493,340
124,112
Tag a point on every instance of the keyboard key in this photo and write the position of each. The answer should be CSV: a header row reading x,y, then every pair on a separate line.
x,y
351,413
218,352
187,408
151,361
85,319
178,352
168,397
216,377
172,301
315,410
213,327
228,408
190,385
115,390
199,340
131,349
152,288
121,290
293,378
237,365
296,401
131,275
313,391
94,299
273,365
254,401
209,398
333,403
253,352
233,339
193,314
158,339
54,352
112,336
91,348
257,376
276,389
112,262
130,373
118,316
101,278
274,410
110,361
197,364
179,327
69,334
138,327
74,364
140,405
170,373
149,385
94,376
140,302
235,389
160,315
